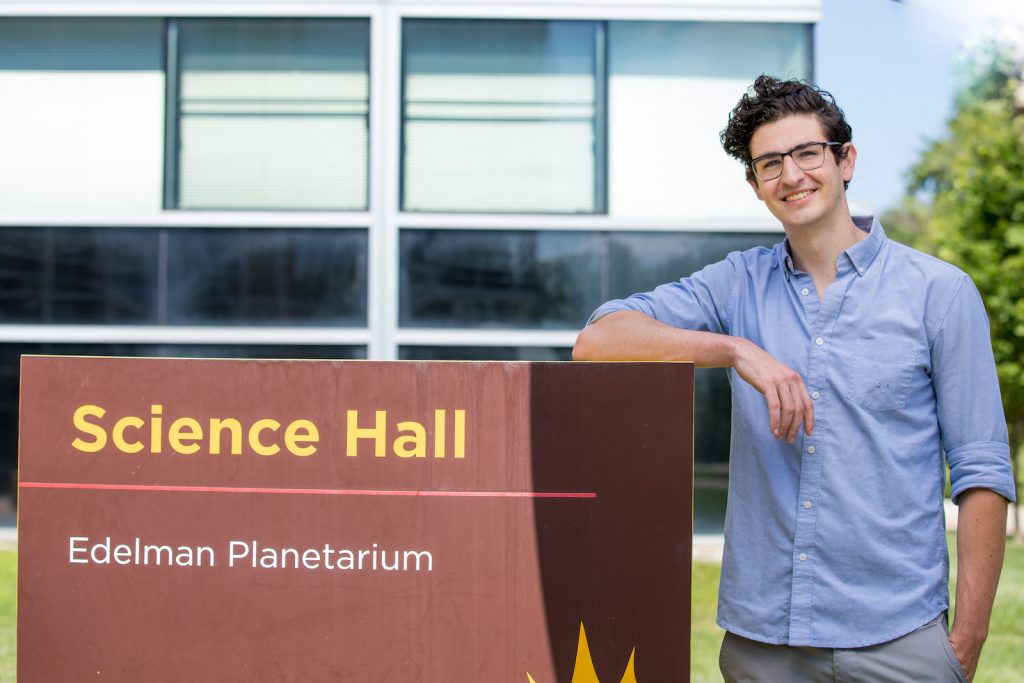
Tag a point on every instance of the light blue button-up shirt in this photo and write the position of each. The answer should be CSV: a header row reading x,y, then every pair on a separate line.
x,y
838,539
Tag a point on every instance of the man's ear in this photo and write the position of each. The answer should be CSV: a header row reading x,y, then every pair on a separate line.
x,y
849,162
754,186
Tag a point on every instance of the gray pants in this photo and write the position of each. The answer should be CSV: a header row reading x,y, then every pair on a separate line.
x,y
922,656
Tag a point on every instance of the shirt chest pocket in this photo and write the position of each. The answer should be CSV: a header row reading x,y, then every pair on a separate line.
x,y
881,375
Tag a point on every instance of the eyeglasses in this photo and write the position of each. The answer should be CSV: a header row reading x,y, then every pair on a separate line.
x,y
807,157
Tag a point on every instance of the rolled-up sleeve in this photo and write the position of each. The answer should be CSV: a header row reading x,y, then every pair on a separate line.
x,y
699,302
969,405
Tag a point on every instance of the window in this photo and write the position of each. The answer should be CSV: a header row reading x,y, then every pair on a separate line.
x,y
78,275
670,88
273,114
82,115
640,261
542,279
498,278
266,276
219,276
500,116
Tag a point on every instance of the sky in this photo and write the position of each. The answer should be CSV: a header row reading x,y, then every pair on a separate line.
x,y
894,68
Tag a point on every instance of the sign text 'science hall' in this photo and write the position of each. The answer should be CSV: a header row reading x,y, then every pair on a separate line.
x,y
354,521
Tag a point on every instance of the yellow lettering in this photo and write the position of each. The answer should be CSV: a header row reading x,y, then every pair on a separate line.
x,y
439,433
355,432
294,440
460,433
97,432
254,436
417,441
185,435
217,426
118,433
184,429
155,427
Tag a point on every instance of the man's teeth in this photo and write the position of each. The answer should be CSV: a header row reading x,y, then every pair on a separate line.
x,y
798,195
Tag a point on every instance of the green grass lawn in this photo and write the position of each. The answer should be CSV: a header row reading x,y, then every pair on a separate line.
x,y
1001,661
8,614
705,636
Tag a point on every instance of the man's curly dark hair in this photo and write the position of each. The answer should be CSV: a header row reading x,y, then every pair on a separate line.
x,y
771,99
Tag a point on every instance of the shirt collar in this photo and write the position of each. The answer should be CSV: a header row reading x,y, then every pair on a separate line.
x,y
861,254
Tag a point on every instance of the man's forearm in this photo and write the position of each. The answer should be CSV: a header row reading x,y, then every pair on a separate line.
x,y
631,335
981,542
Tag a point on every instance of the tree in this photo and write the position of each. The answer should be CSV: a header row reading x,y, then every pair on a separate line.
x,y
966,205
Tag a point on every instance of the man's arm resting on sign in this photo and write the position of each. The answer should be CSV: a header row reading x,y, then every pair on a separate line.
x,y
981,542
631,335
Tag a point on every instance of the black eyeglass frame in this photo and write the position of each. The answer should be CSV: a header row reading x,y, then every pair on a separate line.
x,y
782,156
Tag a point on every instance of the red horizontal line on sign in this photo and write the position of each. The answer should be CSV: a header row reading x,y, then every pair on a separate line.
x,y
308,492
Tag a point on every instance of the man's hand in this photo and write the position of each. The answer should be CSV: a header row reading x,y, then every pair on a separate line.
x,y
789,404
968,654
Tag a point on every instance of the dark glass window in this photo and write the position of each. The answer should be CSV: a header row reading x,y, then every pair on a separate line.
x,y
640,261
543,279
78,275
536,353
256,276
213,276
481,278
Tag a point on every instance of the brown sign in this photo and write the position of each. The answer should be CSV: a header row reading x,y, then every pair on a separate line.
x,y
356,521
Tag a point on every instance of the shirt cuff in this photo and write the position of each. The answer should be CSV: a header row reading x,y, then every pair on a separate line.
x,y
981,465
610,307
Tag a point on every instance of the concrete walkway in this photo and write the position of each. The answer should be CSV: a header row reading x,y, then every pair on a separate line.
x,y
8,524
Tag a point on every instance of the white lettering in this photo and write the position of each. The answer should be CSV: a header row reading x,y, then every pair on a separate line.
x,y
74,549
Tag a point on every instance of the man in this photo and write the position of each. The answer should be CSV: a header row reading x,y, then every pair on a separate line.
x,y
858,367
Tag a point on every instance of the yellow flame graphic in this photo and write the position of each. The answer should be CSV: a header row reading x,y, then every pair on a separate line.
x,y
583,671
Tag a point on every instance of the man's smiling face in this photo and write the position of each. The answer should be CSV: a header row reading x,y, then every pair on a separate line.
x,y
798,198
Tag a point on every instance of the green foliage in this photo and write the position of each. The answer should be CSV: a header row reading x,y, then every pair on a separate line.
x,y
966,205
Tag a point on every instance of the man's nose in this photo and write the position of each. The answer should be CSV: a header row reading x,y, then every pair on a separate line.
x,y
790,171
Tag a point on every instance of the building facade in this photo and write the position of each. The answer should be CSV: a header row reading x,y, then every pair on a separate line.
x,y
396,179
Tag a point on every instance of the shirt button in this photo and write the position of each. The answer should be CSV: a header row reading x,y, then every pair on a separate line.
x,y
803,557
807,505
861,269
805,291
811,449
815,395
819,341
